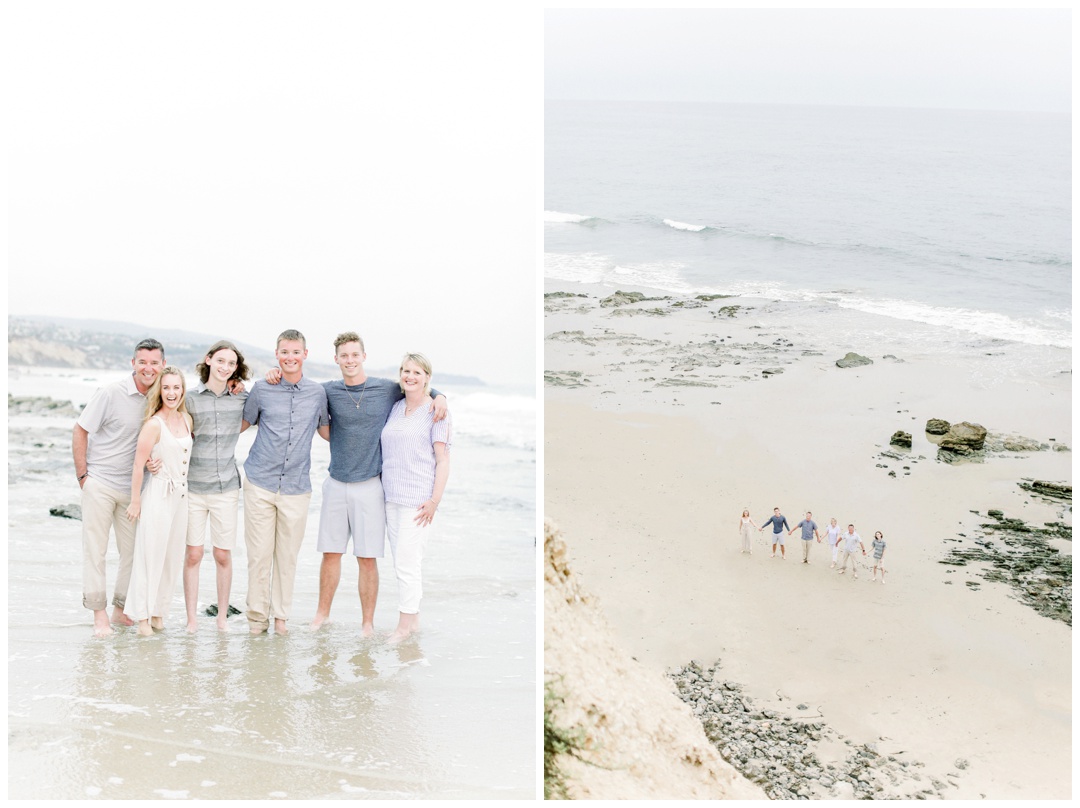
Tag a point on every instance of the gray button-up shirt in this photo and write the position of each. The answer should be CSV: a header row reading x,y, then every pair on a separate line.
x,y
217,429
287,415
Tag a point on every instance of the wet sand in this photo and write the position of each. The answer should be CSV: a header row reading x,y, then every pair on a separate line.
x,y
312,715
661,427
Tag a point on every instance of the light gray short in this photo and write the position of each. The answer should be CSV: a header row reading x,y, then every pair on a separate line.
x,y
353,509
778,538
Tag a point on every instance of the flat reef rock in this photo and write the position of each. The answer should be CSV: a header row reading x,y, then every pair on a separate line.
x,y
853,360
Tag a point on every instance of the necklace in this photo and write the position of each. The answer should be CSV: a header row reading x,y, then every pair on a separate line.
x,y
363,385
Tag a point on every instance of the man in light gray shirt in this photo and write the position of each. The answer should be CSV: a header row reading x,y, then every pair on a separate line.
x,y
103,443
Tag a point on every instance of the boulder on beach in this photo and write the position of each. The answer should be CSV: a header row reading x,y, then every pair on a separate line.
x,y
853,360
620,298
901,438
964,438
937,426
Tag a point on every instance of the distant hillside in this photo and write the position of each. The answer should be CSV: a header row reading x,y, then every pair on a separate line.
x,y
64,342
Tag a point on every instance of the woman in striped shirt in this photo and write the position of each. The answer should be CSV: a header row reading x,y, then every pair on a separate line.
x,y
416,466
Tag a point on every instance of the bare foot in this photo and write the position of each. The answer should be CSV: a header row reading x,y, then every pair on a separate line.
x,y
120,618
280,627
222,624
144,629
397,636
157,624
367,630
101,624
192,626
256,629
318,621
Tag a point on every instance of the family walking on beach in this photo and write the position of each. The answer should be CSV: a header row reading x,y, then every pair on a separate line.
x,y
848,542
389,465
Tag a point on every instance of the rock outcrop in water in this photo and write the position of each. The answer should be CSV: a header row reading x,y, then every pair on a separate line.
x,y
634,738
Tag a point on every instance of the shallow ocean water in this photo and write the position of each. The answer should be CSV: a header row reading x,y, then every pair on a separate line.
x,y
318,715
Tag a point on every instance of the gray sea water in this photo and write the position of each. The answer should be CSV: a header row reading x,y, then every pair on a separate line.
x,y
951,226
323,715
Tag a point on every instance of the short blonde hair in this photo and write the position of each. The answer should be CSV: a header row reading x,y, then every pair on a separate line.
x,y
420,360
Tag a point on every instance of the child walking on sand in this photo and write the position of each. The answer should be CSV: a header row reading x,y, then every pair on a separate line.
x,y
878,545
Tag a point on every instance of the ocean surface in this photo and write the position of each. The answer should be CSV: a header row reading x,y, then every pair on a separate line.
x,y
319,715
950,228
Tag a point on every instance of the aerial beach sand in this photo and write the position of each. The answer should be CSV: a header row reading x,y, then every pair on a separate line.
x,y
660,427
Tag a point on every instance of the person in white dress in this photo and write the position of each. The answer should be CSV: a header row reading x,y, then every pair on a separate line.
x,y
416,466
745,523
161,510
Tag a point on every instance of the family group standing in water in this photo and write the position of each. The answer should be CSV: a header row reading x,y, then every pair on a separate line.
x,y
389,465
840,541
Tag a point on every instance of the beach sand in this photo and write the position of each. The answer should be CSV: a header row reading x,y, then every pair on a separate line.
x,y
660,427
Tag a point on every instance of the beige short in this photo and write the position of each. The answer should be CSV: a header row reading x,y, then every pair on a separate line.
x,y
220,510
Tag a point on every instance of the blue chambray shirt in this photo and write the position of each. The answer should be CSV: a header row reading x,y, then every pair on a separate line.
x,y
287,416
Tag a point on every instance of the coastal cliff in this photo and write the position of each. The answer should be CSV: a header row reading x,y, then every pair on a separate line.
x,y
632,737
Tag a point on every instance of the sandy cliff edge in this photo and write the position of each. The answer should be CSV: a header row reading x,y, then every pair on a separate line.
x,y
640,741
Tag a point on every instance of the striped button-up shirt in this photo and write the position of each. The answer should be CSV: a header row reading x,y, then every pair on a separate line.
x,y
408,454
287,415
217,429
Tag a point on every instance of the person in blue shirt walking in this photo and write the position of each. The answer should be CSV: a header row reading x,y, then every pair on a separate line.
x,y
809,533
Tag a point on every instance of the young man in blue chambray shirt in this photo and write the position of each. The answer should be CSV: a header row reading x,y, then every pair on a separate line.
x,y
278,490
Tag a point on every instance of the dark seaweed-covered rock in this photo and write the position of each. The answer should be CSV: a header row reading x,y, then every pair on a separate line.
x,y
621,299
853,360
936,426
67,511
1021,556
901,438
1048,489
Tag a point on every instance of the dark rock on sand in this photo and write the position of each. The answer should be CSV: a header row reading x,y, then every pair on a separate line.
x,y
853,360
1048,489
794,758
936,426
901,438
1020,555
621,299
964,438
67,511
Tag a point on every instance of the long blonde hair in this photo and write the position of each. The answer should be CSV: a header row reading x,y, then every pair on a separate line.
x,y
153,395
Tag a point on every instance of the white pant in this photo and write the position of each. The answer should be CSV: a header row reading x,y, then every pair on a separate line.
x,y
407,541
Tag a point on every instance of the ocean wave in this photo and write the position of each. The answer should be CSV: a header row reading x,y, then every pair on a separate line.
x,y
566,218
972,321
693,228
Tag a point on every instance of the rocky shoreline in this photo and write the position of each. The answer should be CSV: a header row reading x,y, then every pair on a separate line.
x,y
1021,555
800,758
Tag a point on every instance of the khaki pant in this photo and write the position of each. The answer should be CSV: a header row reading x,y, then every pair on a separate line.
x,y
849,554
273,531
806,549
105,508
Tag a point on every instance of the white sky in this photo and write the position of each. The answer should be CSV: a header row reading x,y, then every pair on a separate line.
x,y
945,58
240,168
